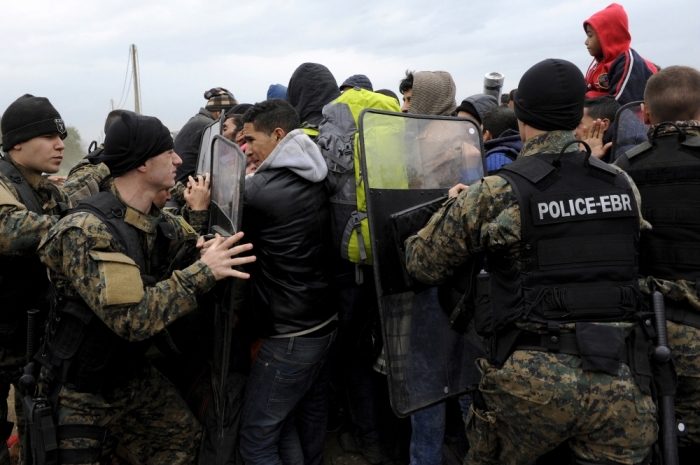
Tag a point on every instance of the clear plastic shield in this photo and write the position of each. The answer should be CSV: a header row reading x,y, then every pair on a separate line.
x,y
227,183
409,161
204,158
629,129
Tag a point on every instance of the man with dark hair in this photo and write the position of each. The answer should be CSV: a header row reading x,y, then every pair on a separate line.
x,y
596,126
32,139
666,170
505,99
475,106
286,214
310,88
110,267
189,138
558,306
511,98
406,89
502,141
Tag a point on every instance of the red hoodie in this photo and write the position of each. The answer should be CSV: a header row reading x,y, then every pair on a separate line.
x,y
622,70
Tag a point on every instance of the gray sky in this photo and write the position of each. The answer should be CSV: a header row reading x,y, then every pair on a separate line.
x,y
75,51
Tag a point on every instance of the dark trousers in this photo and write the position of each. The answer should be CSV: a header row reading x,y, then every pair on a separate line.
x,y
286,403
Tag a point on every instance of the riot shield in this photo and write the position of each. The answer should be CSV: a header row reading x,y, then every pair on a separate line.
x,y
410,160
204,157
629,129
227,184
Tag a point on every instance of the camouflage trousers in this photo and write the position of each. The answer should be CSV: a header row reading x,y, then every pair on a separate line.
x,y
539,400
685,346
9,376
147,417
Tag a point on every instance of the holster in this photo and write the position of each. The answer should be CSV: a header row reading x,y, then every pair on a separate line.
x,y
41,430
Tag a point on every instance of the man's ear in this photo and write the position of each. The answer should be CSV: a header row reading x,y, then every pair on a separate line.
x,y
646,114
278,134
487,135
606,123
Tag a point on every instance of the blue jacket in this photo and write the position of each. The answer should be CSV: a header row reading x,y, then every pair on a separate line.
x,y
502,151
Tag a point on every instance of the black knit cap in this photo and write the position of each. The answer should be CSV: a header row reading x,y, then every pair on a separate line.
x,y
550,96
131,140
29,117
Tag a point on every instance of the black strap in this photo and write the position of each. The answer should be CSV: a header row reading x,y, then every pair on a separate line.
x,y
683,316
26,194
95,432
70,456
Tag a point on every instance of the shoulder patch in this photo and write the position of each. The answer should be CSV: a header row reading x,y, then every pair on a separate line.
x,y
185,225
9,197
638,150
603,81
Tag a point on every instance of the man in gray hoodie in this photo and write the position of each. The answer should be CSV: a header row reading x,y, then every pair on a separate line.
x,y
286,214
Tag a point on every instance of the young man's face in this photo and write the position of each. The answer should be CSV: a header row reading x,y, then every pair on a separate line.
x,y
260,145
41,154
162,169
228,129
592,43
407,100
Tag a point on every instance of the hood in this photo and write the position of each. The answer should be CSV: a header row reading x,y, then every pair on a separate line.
x,y
298,153
310,88
277,91
433,94
612,29
206,113
509,138
478,105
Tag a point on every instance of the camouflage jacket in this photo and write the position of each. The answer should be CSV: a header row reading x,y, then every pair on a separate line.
x,y
84,261
21,231
84,180
680,290
486,216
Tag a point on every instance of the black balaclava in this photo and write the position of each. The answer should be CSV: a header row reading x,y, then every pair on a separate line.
x,y
131,140
310,88
550,96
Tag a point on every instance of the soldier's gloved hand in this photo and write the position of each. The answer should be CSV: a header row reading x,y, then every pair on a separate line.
x,y
218,254
198,193
457,189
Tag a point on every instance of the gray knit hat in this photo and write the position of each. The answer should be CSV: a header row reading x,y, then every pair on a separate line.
x,y
433,94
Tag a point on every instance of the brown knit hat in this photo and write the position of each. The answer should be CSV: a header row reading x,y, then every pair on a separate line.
x,y
219,98
433,94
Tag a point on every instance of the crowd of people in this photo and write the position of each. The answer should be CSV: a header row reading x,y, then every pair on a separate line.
x,y
134,332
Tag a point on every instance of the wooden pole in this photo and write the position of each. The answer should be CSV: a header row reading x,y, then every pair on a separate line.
x,y
137,96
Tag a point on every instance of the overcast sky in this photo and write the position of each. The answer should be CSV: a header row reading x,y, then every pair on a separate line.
x,y
75,51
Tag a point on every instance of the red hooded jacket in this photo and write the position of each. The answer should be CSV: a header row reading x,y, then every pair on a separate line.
x,y
621,73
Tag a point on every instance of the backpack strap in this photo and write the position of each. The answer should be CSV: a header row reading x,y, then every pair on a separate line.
x,y
26,194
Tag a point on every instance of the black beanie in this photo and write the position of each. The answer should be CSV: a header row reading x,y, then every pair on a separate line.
x,y
550,96
131,140
29,117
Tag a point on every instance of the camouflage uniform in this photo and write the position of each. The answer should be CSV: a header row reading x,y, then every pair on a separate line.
x,y
144,413
20,234
537,400
84,180
683,339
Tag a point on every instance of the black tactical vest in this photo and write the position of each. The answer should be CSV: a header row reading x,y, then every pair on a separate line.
x,y
23,281
80,349
667,174
580,232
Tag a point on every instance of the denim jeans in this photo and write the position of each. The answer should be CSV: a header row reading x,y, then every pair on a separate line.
x,y
428,432
286,403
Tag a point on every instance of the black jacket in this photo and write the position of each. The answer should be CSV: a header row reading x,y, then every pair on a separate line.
x,y
187,143
286,215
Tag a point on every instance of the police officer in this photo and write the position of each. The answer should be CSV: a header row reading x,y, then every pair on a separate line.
x,y
32,141
110,266
667,170
558,300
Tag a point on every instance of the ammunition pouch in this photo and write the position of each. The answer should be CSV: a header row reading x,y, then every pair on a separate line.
x,y
44,435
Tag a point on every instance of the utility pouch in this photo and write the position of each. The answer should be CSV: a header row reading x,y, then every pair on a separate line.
x,y
601,347
482,304
41,430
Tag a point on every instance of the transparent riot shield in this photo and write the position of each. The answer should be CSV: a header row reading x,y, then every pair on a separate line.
x,y
629,129
204,157
227,184
407,161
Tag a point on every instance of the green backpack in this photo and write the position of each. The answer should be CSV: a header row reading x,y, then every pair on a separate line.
x,y
338,140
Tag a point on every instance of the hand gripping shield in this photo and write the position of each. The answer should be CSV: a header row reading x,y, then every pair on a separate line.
x,y
227,164
409,161
629,129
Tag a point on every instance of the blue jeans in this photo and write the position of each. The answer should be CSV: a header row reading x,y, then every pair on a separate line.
x,y
286,403
429,432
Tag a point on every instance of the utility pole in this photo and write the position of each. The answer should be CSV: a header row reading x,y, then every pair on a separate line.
x,y
137,95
